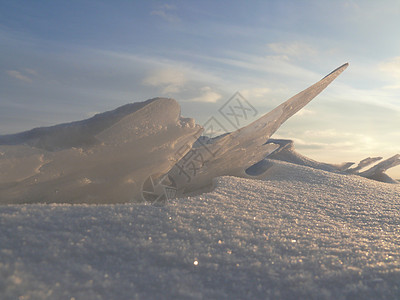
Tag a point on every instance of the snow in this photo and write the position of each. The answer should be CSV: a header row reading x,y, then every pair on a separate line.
x,y
300,234
286,227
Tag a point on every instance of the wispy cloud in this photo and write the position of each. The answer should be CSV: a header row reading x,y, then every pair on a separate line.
x,y
334,145
268,64
352,6
292,49
166,12
391,68
170,80
31,72
305,112
208,95
255,93
379,97
25,75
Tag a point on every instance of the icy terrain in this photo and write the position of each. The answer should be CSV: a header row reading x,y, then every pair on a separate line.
x,y
115,156
289,228
302,234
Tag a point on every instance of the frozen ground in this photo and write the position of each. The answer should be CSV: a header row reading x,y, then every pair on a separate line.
x,y
301,234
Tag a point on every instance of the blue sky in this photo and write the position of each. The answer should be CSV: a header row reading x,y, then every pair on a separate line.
x,y
66,60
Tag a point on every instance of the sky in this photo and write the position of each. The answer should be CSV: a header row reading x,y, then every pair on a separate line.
x,y
62,61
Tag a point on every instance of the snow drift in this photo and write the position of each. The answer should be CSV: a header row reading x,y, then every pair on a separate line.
x,y
302,234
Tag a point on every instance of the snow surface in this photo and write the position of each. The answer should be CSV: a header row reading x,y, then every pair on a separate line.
x,y
301,234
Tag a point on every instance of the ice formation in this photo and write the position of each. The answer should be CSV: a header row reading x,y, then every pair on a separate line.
x,y
377,172
233,153
146,151
286,152
363,163
104,159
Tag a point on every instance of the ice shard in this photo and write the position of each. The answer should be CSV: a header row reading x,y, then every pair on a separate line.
x,y
364,163
377,172
233,153
288,153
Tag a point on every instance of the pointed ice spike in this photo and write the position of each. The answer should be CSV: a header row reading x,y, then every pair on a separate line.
x,y
362,164
271,121
377,172
265,126
234,152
